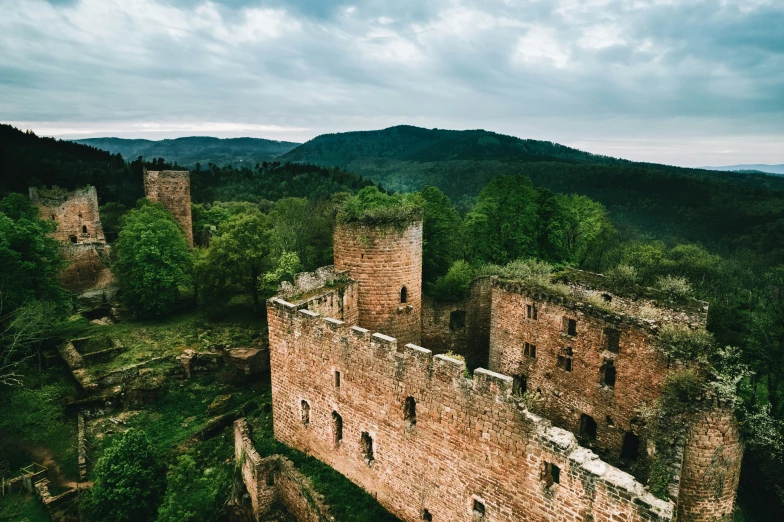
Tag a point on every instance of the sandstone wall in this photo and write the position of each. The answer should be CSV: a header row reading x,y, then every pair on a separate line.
x,y
384,261
326,292
711,466
469,453
172,188
274,479
75,212
577,387
462,327
87,268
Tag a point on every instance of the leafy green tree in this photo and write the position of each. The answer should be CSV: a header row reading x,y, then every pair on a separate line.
x,y
585,221
153,260
190,495
238,256
287,267
129,481
111,214
206,220
440,224
302,227
455,284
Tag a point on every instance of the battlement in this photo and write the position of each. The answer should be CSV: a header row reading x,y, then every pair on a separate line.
x,y
400,408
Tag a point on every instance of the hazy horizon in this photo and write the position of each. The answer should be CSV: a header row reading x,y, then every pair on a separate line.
x,y
680,83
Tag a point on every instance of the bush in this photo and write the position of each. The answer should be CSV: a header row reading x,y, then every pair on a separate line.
x,y
682,386
373,207
128,481
455,284
682,342
675,287
531,272
623,277
190,495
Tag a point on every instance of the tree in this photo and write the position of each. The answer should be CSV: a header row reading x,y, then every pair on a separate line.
x,y
584,221
439,233
129,481
153,260
239,255
190,495
302,227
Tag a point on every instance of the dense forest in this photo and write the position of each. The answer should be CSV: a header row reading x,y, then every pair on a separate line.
x,y
530,210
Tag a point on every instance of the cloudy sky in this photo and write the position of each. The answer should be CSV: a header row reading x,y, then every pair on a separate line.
x,y
686,82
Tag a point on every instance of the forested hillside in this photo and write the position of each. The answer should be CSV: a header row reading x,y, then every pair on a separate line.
x,y
196,149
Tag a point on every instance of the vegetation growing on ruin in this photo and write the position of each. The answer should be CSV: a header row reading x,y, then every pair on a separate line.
x,y
372,207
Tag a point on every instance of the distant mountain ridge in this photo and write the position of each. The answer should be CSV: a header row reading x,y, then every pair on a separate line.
x,y
753,167
196,149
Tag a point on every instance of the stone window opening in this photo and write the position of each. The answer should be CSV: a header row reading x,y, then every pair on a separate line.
x,y
531,312
427,516
337,379
478,509
519,384
53,217
366,443
404,295
457,320
565,359
72,238
84,229
270,479
305,407
551,474
612,339
409,412
587,427
631,447
570,326
608,374
610,422
337,428
530,350
80,214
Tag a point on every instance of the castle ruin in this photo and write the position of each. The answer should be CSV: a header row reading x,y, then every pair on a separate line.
x,y
412,426
172,188
79,232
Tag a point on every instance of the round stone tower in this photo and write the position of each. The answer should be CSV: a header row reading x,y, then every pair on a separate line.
x,y
711,466
386,261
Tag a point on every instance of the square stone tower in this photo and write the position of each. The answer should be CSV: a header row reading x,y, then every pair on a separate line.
x,y
172,188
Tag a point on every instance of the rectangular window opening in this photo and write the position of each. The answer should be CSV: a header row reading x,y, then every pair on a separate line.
x,y
337,428
531,312
570,326
366,443
337,379
530,350
587,427
457,320
613,340
519,384
479,510
631,447
551,474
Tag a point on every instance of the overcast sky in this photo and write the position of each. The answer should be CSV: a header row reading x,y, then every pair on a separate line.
x,y
691,82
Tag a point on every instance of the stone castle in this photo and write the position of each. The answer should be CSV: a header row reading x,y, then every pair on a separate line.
x,y
412,426
79,230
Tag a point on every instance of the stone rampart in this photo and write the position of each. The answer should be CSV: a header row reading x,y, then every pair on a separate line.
x,y
429,442
172,188
274,479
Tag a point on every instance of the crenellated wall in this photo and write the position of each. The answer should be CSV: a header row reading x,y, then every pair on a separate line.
x,y
470,447
172,188
384,260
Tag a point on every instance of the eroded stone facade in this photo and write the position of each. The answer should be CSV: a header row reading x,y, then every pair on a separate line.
x,y
79,231
172,188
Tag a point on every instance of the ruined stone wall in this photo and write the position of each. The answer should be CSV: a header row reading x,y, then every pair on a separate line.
x,y
711,466
576,388
75,212
469,453
87,267
172,188
274,479
384,261
462,327
326,292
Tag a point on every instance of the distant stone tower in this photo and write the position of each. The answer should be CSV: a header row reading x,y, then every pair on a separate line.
x,y
172,188
386,261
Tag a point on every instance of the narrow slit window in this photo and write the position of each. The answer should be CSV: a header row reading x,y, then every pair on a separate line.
x,y
587,427
337,379
305,407
530,350
479,510
409,412
404,295
337,428
608,374
366,443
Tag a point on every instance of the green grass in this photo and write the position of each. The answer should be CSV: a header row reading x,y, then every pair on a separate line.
x,y
348,502
22,507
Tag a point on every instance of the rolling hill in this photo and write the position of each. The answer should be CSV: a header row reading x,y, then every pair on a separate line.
x,y
754,167
196,149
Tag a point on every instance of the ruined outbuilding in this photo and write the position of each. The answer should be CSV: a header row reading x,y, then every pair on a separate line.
x,y
79,231
172,188
431,441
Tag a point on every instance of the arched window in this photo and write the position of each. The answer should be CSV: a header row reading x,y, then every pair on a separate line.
x,y
403,295
305,412
84,229
337,428
409,412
